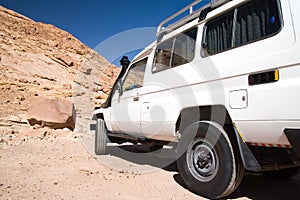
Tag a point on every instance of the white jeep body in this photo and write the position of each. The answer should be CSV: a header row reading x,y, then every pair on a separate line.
x,y
260,112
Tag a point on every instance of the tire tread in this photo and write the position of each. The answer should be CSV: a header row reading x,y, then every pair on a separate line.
x,y
100,137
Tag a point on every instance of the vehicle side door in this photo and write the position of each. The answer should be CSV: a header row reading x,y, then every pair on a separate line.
x,y
126,102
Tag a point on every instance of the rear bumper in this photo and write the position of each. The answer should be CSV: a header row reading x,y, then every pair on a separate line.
x,y
293,136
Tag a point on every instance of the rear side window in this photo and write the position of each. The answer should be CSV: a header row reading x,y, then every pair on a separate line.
x,y
219,33
184,48
176,51
251,22
163,56
256,20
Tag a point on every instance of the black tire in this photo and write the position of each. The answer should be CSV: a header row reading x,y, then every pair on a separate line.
x,y
100,137
208,166
283,173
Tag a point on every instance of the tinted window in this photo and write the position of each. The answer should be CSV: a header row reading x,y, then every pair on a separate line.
x,y
253,21
219,34
256,20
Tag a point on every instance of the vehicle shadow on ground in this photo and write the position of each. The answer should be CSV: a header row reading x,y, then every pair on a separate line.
x,y
141,155
253,186
264,187
261,187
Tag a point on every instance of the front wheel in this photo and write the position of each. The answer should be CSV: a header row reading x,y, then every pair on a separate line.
x,y
208,166
100,137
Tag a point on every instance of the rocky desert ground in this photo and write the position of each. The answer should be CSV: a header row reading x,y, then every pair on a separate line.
x,y
43,161
54,164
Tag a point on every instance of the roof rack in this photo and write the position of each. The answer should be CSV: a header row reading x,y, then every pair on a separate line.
x,y
201,12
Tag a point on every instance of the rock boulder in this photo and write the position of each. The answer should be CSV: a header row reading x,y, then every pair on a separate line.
x,y
53,113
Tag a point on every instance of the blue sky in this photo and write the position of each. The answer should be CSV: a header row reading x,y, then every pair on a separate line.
x,y
94,21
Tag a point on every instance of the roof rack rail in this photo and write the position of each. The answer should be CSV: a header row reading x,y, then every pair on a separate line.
x,y
192,15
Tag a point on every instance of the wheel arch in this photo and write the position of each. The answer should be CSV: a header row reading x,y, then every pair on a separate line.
x,y
214,113
103,113
99,113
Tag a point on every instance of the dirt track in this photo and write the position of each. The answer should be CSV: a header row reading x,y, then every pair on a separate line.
x,y
59,167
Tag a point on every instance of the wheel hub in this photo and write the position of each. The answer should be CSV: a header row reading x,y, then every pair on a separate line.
x,y
202,161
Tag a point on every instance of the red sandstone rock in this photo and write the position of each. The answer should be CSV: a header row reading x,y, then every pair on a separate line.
x,y
53,113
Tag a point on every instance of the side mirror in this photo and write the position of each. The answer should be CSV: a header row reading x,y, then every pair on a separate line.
x,y
119,87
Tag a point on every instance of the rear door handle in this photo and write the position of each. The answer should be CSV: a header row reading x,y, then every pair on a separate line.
x,y
136,98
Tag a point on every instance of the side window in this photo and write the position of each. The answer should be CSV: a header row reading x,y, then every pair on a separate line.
x,y
219,34
135,76
256,20
176,51
253,21
163,56
184,48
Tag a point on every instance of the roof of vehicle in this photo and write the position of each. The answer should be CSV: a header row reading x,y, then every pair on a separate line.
x,y
218,6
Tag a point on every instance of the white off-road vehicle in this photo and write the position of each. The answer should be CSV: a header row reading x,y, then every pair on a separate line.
x,y
221,85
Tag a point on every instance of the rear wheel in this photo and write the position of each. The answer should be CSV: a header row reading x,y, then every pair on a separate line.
x,y
100,137
208,166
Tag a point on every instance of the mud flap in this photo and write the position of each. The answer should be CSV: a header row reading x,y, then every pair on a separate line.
x,y
249,160
293,136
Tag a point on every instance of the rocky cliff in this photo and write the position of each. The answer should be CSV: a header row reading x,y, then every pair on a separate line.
x,y
40,60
